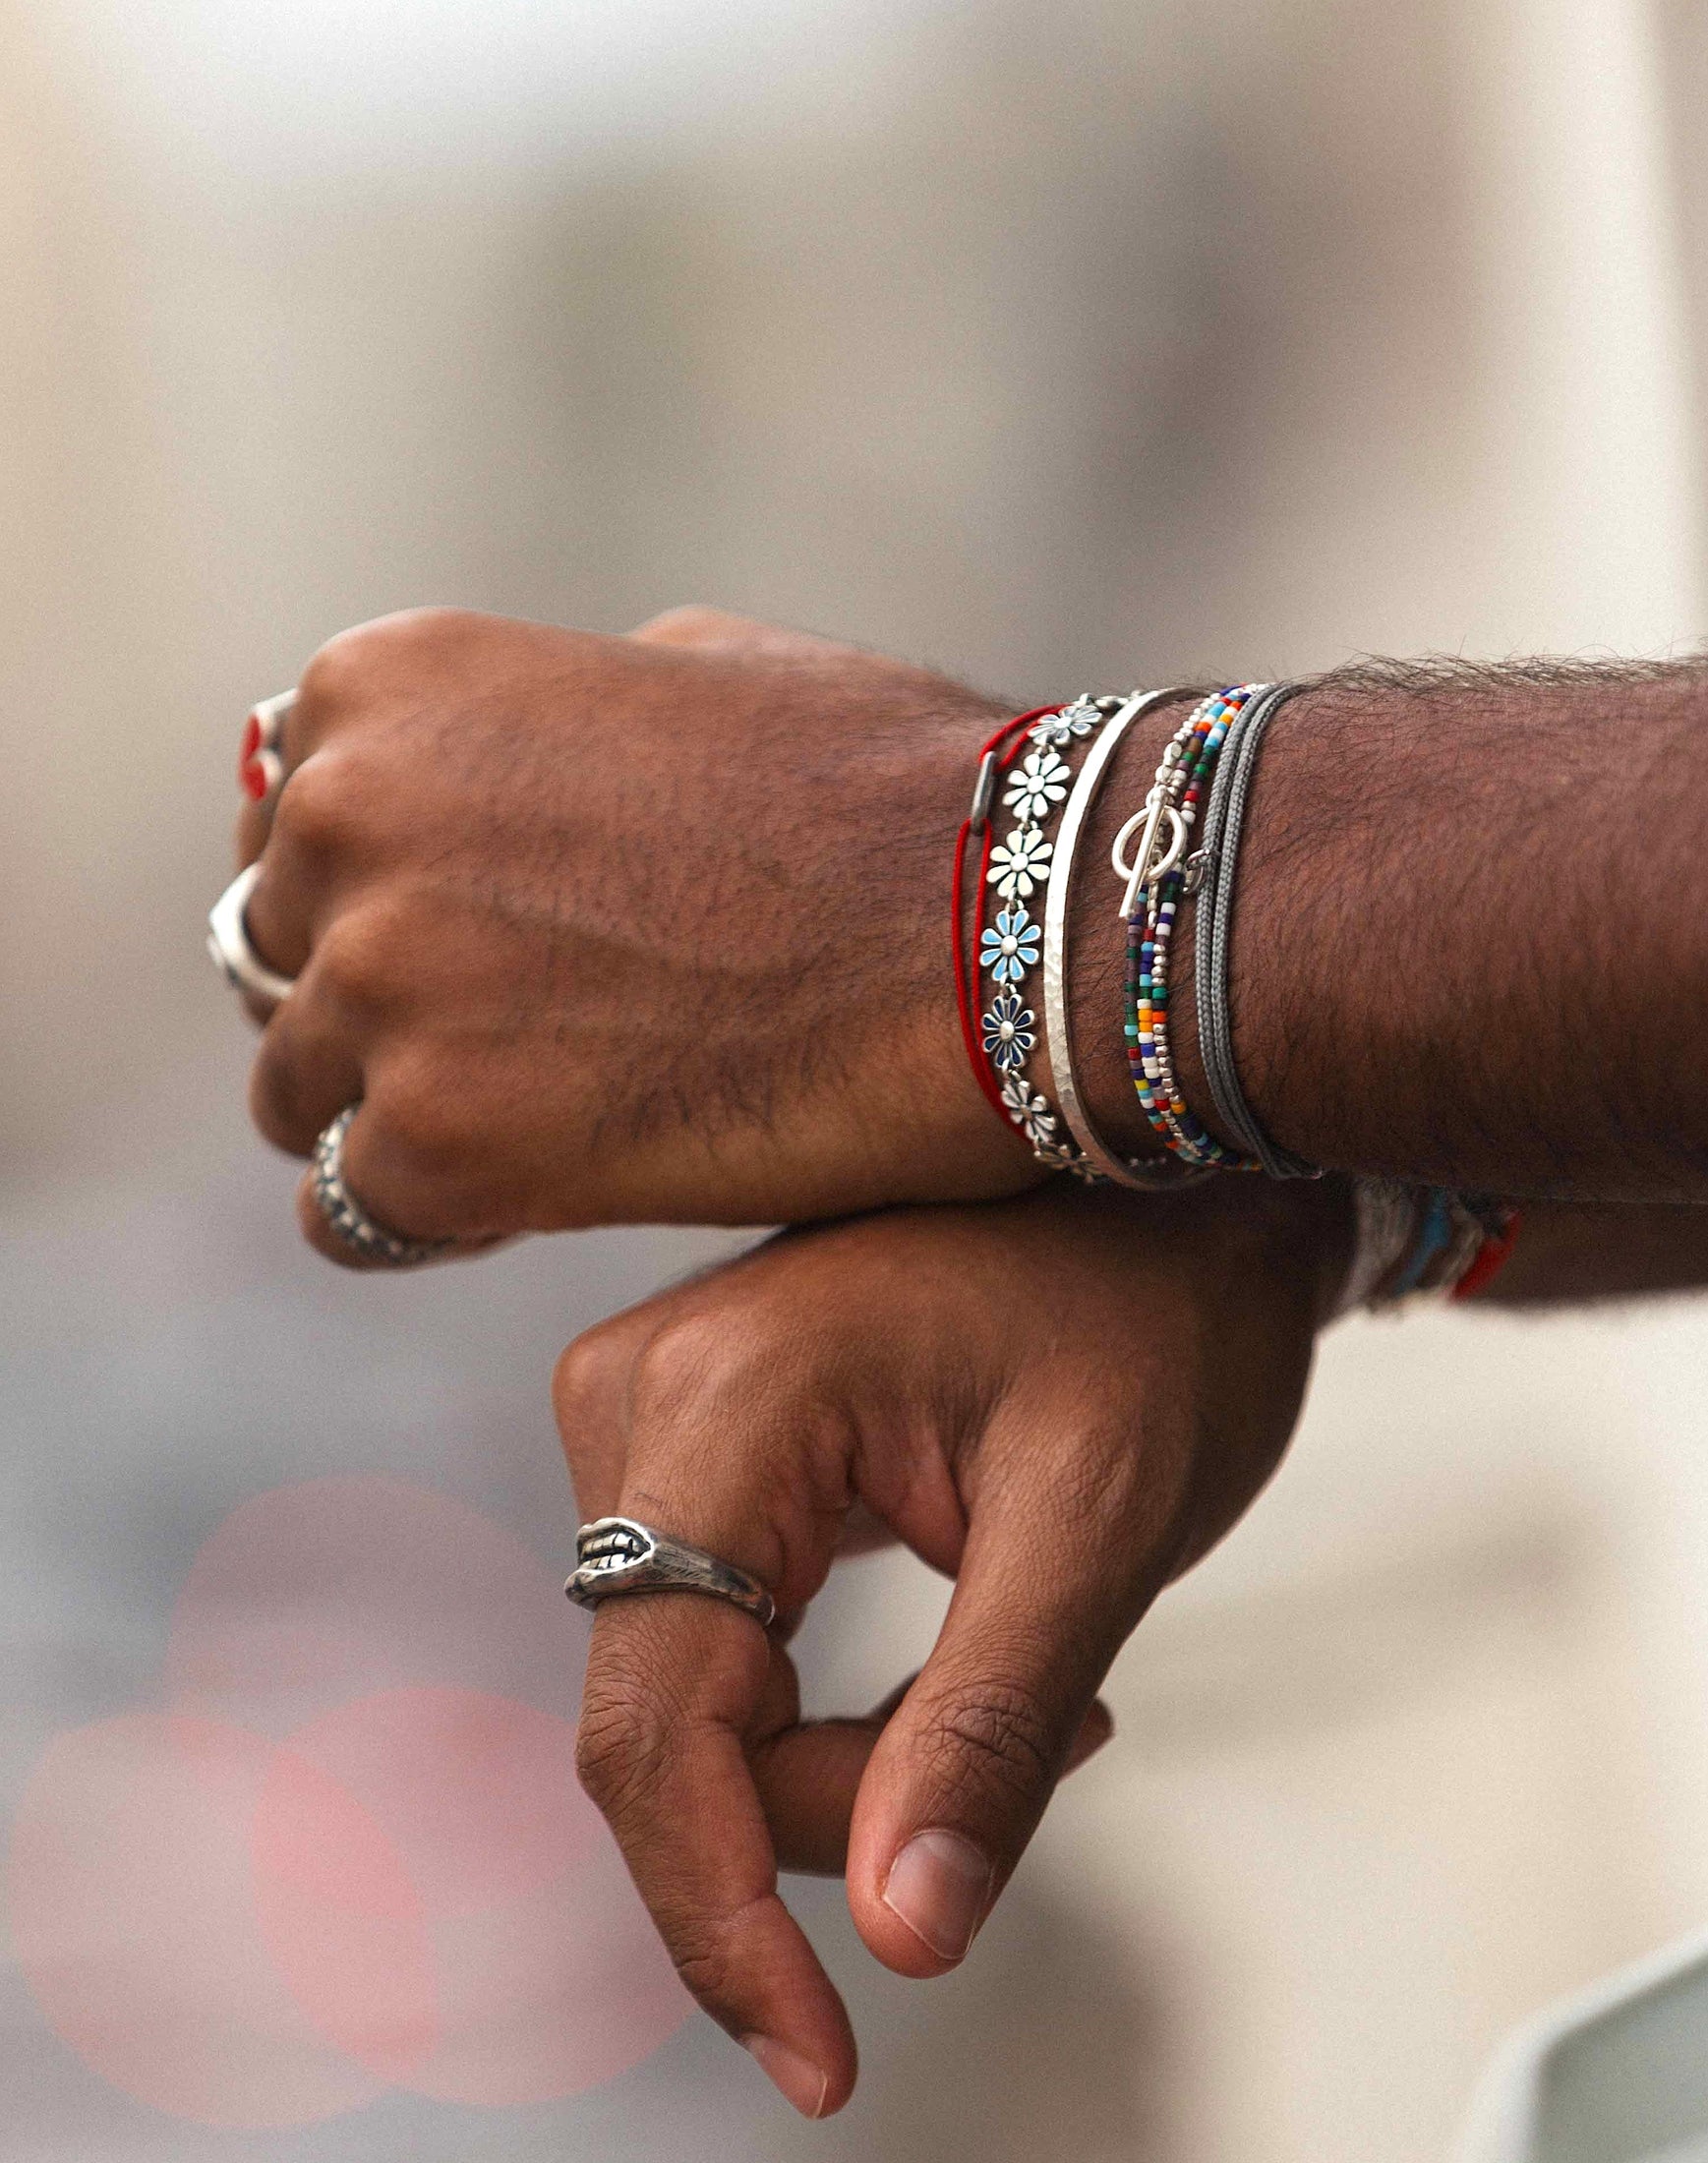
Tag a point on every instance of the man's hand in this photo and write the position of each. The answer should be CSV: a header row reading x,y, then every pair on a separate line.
x,y
1061,1401
605,929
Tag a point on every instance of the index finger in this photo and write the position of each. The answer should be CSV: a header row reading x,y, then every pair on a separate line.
x,y
674,1683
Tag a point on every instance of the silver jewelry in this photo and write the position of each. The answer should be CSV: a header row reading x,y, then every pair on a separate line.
x,y
349,1220
618,1555
1158,872
1147,1174
228,943
1008,949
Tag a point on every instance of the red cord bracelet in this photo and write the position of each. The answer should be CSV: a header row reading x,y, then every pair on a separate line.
x,y
1493,1256
995,755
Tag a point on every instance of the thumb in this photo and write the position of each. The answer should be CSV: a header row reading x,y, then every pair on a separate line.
x,y
960,1774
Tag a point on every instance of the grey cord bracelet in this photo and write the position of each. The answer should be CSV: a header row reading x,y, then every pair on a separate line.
x,y
1219,849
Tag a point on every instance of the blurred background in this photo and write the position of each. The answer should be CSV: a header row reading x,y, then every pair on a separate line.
x,y
1061,345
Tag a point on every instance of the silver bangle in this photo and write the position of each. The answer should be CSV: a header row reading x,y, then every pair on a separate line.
x,y
1009,949
616,1557
1148,1174
230,950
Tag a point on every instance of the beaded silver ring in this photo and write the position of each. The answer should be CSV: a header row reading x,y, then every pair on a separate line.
x,y
345,1216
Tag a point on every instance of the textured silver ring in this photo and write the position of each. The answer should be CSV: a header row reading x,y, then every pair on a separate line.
x,y
346,1217
615,1556
228,943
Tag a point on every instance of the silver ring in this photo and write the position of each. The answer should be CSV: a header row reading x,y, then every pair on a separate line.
x,y
617,1555
228,943
347,1218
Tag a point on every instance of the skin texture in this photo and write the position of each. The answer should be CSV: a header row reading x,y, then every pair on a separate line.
x,y
651,928
1062,1471
1469,946
610,929
607,929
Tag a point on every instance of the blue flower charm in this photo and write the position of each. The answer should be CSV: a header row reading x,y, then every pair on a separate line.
x,y
1011,949
1008,1031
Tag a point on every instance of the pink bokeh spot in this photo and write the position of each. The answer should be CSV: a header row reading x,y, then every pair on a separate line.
x,y
309,1596
475,1794
353,1854
131,1901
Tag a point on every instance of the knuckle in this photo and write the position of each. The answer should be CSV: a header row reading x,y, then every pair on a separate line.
x,y
622,1748
589,1374
691,621
1000,1736
338,674
321,807
708,1356
417,1127
419,1169
347,664
356,959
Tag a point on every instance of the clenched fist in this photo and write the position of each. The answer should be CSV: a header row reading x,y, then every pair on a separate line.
x,y
615,930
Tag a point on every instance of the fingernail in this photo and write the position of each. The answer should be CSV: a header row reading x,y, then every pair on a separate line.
x,y
799,2079
938,1885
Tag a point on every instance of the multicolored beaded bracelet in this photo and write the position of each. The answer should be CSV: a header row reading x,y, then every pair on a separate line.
x,y
1157,878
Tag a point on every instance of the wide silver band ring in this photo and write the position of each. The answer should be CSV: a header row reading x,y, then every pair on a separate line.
x,y
618,1555
349,1221
228,945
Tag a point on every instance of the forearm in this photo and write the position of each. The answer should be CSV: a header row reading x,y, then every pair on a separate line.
x,y
1471,936
1573,1254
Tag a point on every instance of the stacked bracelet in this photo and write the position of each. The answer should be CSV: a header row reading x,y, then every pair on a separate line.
x,y
1012,1056
1011,947
1146,1173
1156,879
1416,1240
